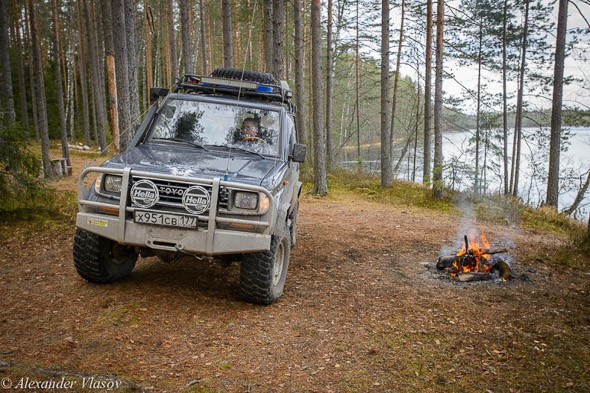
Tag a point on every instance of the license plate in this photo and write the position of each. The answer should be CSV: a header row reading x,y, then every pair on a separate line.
x,y
166,219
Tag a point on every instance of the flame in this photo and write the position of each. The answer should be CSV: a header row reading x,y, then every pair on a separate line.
x,y
478,248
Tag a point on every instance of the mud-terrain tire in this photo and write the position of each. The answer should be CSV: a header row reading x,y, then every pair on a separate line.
x,y
293,224
101,260
263,274
246,75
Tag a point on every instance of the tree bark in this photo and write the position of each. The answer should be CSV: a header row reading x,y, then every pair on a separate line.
x,y
505,97
148,49
437,172
278,39
132,73
555,144
171,47
7,100
579,196
59,91
320,181
299,72
357,88
426,173
187,53
476,186
329,87
83,79
40,91
111,78
228,42
516,147
24,115
205,66
95,78
396,80
386,163
122,79
268,36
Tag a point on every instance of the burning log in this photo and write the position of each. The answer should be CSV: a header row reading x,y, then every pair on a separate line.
x,y
474,259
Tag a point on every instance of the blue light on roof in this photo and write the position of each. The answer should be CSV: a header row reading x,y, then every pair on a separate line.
x,y
264,89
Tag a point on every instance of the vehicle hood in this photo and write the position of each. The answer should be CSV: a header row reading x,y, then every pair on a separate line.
x,y
193,162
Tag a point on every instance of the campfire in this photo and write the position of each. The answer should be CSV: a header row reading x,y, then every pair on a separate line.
x,y
476,261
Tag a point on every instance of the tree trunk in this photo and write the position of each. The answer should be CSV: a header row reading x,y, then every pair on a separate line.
x,y
40,91
59,91
357,88
111,78
122,79
24,115
173,71
516,147
320,181
396,81
148,23
329,88
579,196
132,74
278,39
228,42
437,172
386,163
505,97
300,98
187,53
428,96
476,186
7,100
205,66
555,144
83,79
268,36
95,78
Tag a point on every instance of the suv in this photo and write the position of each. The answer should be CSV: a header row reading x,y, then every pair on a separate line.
x,y
192,183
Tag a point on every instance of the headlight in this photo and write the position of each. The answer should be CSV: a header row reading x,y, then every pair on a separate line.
x,y
112,183
246,200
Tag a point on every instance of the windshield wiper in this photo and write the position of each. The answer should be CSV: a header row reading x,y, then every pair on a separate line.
x,y
241,150
184,141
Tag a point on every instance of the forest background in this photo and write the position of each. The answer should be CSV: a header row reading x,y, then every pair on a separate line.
x,y
367,75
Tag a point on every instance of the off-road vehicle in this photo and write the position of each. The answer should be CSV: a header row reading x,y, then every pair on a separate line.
x,y
191,183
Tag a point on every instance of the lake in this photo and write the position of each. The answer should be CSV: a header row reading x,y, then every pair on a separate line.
x,y
459,158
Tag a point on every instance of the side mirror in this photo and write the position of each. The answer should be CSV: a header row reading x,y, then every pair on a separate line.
x,y
156,93
299,152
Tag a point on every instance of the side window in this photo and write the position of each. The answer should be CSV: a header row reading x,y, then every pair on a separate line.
x,y
291,131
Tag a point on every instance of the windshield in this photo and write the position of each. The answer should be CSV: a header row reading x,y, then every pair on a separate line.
x,y
215,125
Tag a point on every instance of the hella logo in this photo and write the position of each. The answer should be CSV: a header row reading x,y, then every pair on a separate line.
x,y
144,193
196,200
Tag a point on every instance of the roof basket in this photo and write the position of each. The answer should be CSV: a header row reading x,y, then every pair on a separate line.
x,y
213,85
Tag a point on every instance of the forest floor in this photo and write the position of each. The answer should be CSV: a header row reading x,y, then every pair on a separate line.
x,y
364,310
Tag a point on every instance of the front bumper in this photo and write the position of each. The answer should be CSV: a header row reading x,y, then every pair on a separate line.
x,y
210,240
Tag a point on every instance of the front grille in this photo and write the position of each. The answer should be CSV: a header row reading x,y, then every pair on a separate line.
x,y
171,193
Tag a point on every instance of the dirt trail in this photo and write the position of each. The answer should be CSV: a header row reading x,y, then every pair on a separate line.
x,y
362,311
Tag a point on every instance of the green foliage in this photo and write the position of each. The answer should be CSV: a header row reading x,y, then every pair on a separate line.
x,y
19,183
369,187
23,196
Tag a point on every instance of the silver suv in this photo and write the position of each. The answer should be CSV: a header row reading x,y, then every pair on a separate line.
x,y
212,172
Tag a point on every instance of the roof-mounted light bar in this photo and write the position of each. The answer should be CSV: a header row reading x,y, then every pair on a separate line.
x,y
229,83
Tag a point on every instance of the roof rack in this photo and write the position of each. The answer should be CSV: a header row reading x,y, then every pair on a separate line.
x,y
212,85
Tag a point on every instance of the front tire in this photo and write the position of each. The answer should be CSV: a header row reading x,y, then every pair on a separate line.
x,y
101,260
263,274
